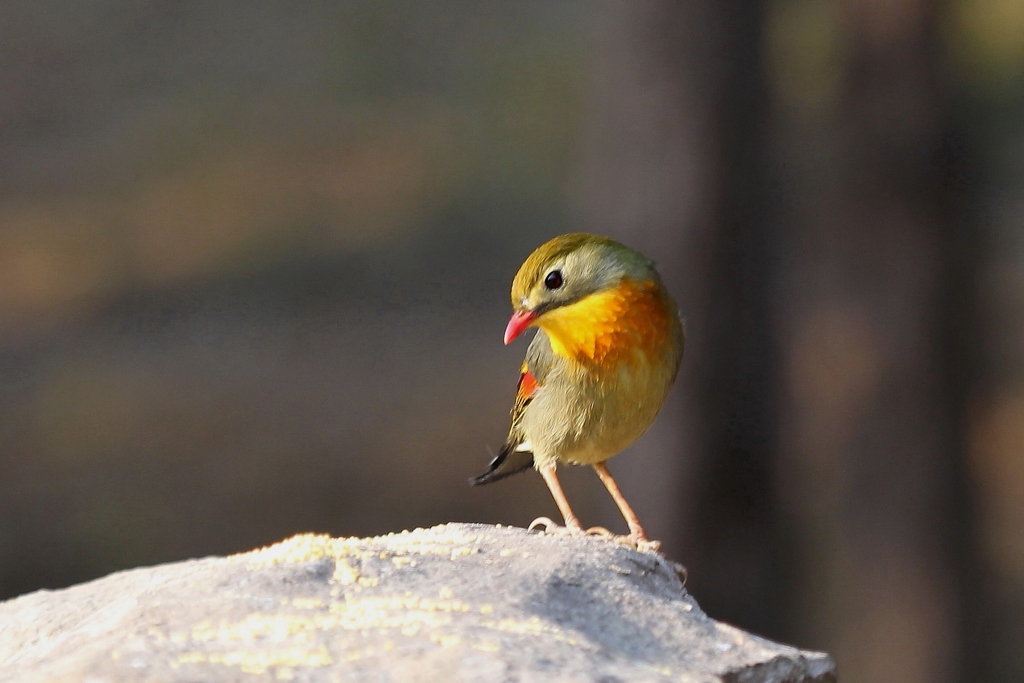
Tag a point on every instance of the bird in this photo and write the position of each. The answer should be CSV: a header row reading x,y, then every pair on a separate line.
x,y
607,350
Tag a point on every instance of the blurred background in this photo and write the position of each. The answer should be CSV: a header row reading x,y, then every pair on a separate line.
x,y
255,260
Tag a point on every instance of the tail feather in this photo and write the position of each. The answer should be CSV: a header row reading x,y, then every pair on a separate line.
x,y
508,462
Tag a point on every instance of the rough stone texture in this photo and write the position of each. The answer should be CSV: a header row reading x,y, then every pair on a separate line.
x,y
457,602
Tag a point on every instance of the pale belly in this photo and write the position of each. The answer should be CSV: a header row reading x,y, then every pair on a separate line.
x,y
589,426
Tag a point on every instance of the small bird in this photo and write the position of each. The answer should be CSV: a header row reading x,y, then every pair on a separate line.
x,y
605,355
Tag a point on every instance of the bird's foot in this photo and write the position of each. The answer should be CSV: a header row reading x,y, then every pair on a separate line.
x,y
608,535
617,538
549,526
644,544
544,524
636,542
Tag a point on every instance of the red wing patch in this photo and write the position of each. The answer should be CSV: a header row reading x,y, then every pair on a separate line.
x,y
527,386
525,390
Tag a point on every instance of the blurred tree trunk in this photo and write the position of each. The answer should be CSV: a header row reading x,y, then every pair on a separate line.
x,y
872,301
987,59
792,164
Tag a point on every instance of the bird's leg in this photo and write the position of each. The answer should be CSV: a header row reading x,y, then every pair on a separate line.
x,y
637,535
571,523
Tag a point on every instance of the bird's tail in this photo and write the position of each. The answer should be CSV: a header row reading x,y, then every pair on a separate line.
x,y
508,462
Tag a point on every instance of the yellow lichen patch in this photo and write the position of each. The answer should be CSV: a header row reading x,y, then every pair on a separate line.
x,y
259,661
344,573
276,626
394,611
408,623
307,603
156,634
357,653
456,544
354,655
530,627
281,642
446,640
312,547
301,548
193,658
485,646
407,613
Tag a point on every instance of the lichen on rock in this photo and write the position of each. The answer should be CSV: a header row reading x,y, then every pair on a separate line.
x,y
456,602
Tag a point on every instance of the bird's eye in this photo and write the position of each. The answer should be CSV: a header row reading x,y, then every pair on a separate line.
x,y
553,280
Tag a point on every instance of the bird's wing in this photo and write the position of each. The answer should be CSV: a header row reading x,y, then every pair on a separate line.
x,y
515,456
539,357
532,375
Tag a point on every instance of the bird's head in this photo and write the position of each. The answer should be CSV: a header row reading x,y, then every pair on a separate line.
x,y
567,269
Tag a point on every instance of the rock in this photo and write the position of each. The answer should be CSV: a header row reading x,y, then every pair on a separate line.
x,y
458,602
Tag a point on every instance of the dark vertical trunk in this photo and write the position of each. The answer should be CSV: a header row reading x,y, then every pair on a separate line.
x,y
874,378
739,551
796,167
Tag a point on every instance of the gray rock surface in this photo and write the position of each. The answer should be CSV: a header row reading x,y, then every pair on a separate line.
x,y
458,602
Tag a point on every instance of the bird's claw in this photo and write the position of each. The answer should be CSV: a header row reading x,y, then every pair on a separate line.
x,y
611,536
635,542
547,525
644,545
681,572
602,532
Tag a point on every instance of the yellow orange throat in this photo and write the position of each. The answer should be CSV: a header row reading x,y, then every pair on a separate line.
x,y
629,323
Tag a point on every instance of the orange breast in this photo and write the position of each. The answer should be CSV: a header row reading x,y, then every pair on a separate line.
x,y
625,324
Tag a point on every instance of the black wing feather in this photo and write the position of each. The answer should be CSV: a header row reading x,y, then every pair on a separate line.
x,y
511,461
508,462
